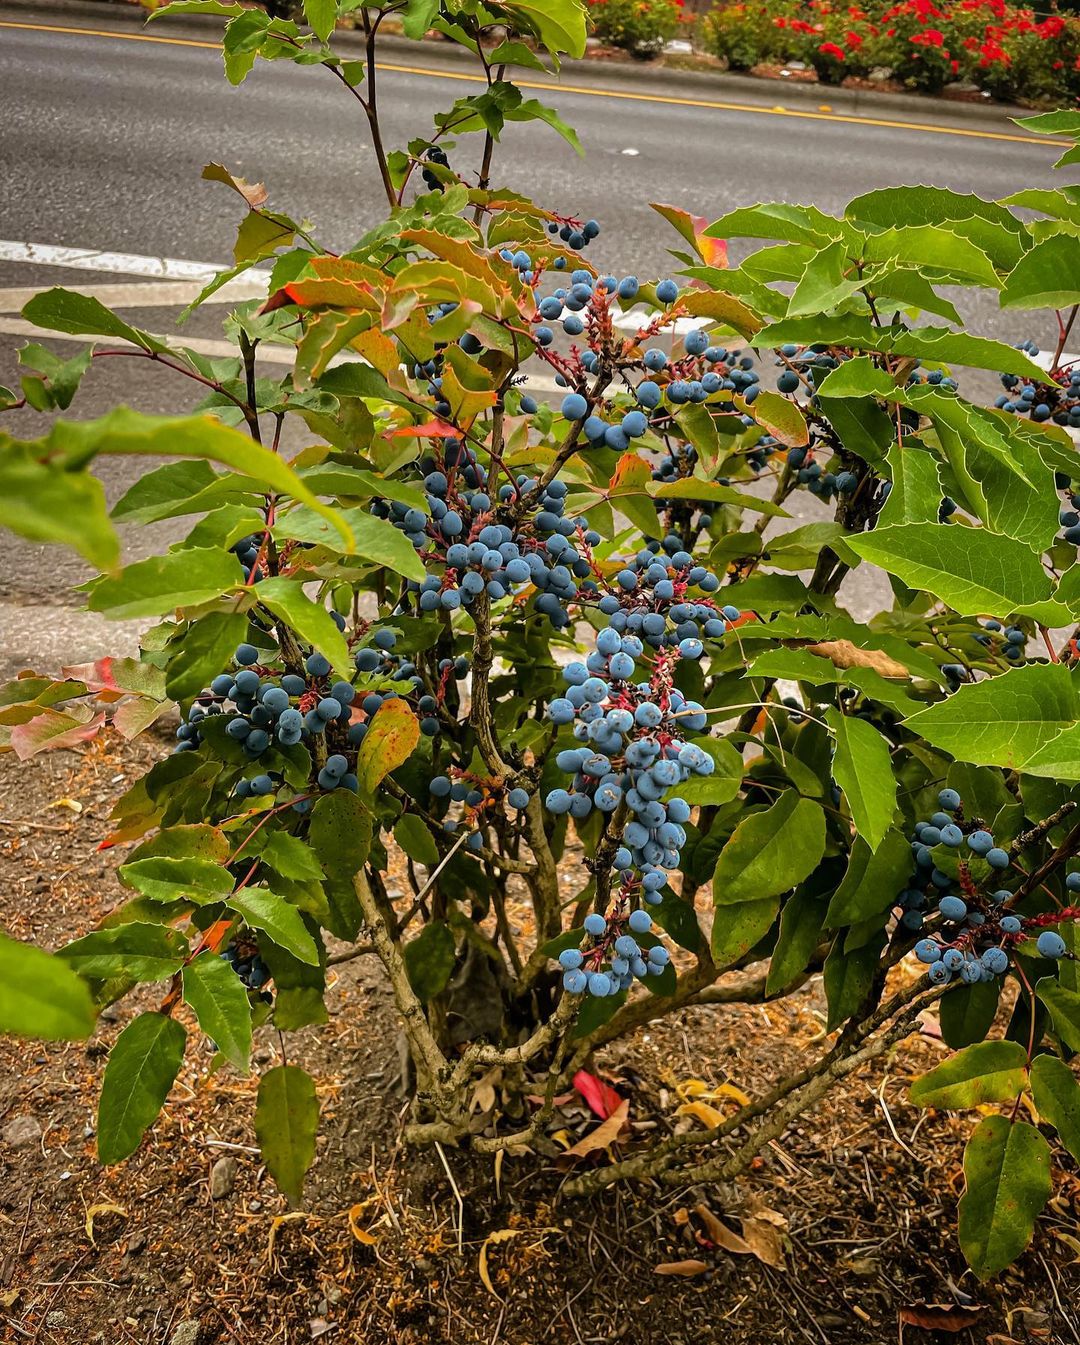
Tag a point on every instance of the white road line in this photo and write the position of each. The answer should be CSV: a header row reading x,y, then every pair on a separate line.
x,y
113,263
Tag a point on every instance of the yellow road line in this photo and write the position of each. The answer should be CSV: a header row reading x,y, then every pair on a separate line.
x,y
1045,142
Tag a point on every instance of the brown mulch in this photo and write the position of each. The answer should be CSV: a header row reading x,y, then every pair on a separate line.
x,y
845,1232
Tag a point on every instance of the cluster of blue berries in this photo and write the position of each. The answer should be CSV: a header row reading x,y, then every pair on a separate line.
x,y
478,798
613,957
247,550
243,956
956,864
379,658
810,473
482,554
1057,398
1008,641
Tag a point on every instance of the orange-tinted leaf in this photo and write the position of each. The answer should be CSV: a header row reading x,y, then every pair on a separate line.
x,y
254,193
389,743
607,1132
687,1269
52,730
950,1317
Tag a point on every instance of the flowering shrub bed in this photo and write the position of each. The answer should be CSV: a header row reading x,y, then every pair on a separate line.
x,y
1009,52
640,27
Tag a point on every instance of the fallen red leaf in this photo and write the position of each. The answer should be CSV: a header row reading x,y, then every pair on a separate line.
x,y
602,1100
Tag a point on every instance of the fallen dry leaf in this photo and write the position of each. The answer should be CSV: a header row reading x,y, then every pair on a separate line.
x,y
685,1268
94,1210
951,1317
607,1132
356,1216
765,1239
720,1235
844,654
73,805
503,1235
701,1111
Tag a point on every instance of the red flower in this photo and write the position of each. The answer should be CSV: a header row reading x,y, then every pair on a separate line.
x,y
831,49
930,37
852,40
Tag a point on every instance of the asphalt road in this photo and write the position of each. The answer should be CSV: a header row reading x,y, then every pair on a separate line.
x,y
104,139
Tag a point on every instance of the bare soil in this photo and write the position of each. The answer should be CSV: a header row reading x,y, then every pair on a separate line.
x,y
843,1233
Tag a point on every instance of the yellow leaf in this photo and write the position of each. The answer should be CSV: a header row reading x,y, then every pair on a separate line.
x,y
73,805
356,1214
503,1235
736,1094
94,1210
701,1111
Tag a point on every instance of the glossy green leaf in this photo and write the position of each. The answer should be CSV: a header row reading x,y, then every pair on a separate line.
x,y
801,921
989,1071
312,621
207,645
161,584
862,767
1046,277
967,1013
291,857
770,852
143,1065
1007,1175
138,951
376,539
871,881
1056,1091
40,995
164,878
738,926
286,1122
321,16
60,310
45,504
1064,1006
1027,719
220,1002
974,571
278,919
848,977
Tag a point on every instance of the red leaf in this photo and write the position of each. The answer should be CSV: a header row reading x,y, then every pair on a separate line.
x,y
431,429
602,1100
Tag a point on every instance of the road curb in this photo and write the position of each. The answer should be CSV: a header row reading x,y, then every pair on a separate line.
x,y
668,83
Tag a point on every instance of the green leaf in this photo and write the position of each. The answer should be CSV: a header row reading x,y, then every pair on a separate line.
x,y
139,952
413,836
533,110
286,1122
40,996
286,599
429,960
989,1071
277,919
1057,1096
142,1066
871,881
559,24
1064,1006
848,976
128,432
1046,277
1027,719
973,570
220,1002
828,280
967,1013
785,223
161,584
321,16
800,931
340,833
291,857
46,504
738,926
781,418
770,852
1007,1175
375,539
165,878
60,310
205,647
943,255
862,767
